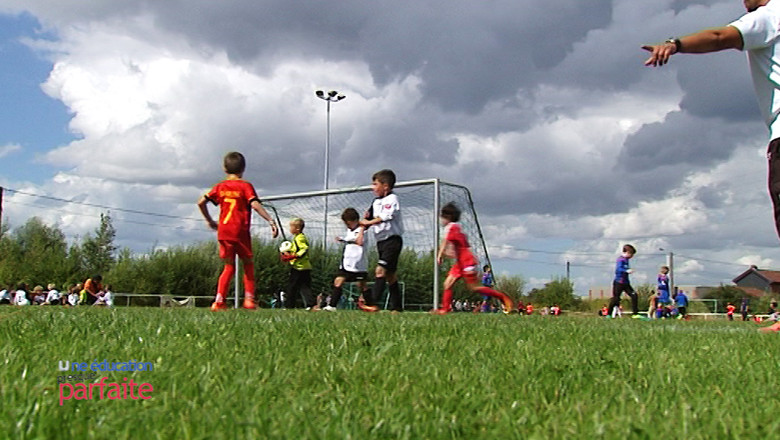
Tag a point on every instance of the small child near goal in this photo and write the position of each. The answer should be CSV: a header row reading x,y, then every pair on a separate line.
x,y
235,197
455,245
354,260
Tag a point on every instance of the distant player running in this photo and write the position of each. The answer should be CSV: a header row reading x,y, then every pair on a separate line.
x,y
455,245
235,198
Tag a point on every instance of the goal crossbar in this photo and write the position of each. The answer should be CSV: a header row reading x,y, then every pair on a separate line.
x,y
433,221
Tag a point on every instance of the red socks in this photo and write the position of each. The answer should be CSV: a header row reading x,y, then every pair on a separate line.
x,y
446,300
249,281
227,274
224,282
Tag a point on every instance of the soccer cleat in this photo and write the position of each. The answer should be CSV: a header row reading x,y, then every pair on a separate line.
x,y
217,306
329,309
508,306
439,312
249,304
367,308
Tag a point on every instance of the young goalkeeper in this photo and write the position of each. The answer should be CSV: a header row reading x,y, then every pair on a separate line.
x,y
455,245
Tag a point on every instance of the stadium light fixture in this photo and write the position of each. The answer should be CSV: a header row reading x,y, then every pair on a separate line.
x,y
331,96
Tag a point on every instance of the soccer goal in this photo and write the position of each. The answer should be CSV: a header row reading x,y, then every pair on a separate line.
x,y
420,204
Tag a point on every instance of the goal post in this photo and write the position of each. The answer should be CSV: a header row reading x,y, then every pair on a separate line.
x,y
420,201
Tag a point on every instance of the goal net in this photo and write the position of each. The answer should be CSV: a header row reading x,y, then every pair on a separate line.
x,y
420,204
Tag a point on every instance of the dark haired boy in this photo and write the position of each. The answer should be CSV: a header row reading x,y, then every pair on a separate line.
x,y
236,198
384,219
455,245
621,283
354,262
92,290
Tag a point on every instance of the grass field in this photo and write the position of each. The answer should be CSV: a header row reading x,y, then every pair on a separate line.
x,y
293,374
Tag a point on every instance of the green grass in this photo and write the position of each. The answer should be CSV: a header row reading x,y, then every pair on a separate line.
x,y
292,374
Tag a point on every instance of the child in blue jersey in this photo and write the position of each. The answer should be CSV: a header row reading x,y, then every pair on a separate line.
x,y
682,304
621,283
663,286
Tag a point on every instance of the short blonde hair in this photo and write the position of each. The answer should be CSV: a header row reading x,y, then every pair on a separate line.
x,y
297,221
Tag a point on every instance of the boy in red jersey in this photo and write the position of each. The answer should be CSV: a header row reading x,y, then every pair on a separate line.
x,y
235,197
455,245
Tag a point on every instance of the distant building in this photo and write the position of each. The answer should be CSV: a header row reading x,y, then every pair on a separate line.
x,y
756,282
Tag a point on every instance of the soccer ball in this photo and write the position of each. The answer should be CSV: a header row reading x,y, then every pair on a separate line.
x,y
285,247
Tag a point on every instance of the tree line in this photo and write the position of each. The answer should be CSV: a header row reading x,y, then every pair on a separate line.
x,y
37,253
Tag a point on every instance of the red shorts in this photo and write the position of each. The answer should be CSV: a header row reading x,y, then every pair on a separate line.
x,y
228,249
468,273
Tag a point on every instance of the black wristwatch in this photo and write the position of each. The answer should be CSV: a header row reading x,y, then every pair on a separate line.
x,y
676,42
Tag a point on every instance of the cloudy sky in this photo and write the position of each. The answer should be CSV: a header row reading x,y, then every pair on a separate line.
x,y
569,144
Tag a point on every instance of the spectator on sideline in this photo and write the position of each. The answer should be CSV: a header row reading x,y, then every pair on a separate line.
x,y
20,298
652,302
744,309
53,296
6,296
38,297
772,312
756,32
74,295
730,311
682,304
92,289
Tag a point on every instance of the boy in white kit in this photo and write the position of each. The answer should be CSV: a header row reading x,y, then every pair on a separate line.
x,y
354,262
384,219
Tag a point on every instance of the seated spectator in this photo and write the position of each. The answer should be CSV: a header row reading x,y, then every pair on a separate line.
x,y
73,295
53,297
38,296
20,298
105,298
92,289
6,295
773,314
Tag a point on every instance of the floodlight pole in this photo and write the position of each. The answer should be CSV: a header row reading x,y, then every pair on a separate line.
x,y
332,96
436,239
670,265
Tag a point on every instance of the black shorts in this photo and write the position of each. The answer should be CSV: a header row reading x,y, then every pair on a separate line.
x,y
389,251
351,276
773,156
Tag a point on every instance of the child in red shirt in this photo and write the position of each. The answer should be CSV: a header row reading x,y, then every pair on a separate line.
x,y
730,311
236,198
455,245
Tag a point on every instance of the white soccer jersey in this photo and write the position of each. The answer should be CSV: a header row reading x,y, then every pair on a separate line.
x,y
353,259
21,298
389,210
52,295
760,31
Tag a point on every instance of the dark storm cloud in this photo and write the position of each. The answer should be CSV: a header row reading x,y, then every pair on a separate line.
x,y
467,53
685,139
718,86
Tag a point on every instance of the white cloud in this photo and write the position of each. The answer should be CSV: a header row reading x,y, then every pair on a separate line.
x,y
8,149
539,135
